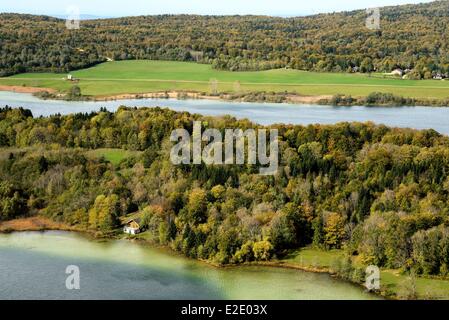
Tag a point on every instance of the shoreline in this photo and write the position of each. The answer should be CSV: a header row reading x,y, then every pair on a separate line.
x,y
42,224
278,98
181,95
246,97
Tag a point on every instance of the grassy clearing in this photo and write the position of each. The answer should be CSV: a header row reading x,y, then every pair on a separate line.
x,y
143,76
114,156
392,281
310,257
426,288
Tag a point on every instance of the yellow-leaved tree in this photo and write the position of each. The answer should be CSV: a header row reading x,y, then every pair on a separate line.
x,y
103,215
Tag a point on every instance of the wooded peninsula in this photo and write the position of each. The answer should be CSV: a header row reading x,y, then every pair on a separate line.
x,y
380,193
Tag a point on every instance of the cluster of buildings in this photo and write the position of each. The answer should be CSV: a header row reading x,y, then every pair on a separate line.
x,y
403,73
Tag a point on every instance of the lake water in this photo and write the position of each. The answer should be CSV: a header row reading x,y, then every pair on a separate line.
x,y
33,265
263,113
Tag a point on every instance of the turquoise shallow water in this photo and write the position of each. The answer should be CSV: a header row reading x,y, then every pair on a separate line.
x,y
33,265
263,113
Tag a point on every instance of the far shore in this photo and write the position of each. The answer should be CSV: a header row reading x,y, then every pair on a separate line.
x,y
244,97
290,98
22,89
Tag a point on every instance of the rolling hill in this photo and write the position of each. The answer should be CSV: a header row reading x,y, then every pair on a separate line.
x,y
411,36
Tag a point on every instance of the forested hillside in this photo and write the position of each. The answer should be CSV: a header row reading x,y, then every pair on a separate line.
x,y
382,193
411,37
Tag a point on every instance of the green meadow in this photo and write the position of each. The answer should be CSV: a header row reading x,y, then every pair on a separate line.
x,y
393,282
145,76
114,156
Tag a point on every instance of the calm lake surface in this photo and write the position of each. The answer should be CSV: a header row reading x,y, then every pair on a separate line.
x,y
33,264
263,113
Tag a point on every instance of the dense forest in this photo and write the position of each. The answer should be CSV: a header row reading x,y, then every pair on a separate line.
x,y
411,37
381,193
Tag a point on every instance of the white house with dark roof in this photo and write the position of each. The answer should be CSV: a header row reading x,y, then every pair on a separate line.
x,y
133,226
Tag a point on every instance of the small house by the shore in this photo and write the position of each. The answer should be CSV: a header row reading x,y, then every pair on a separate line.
x,y
133,226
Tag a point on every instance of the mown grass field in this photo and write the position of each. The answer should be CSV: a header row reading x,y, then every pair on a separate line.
x,y
144,76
